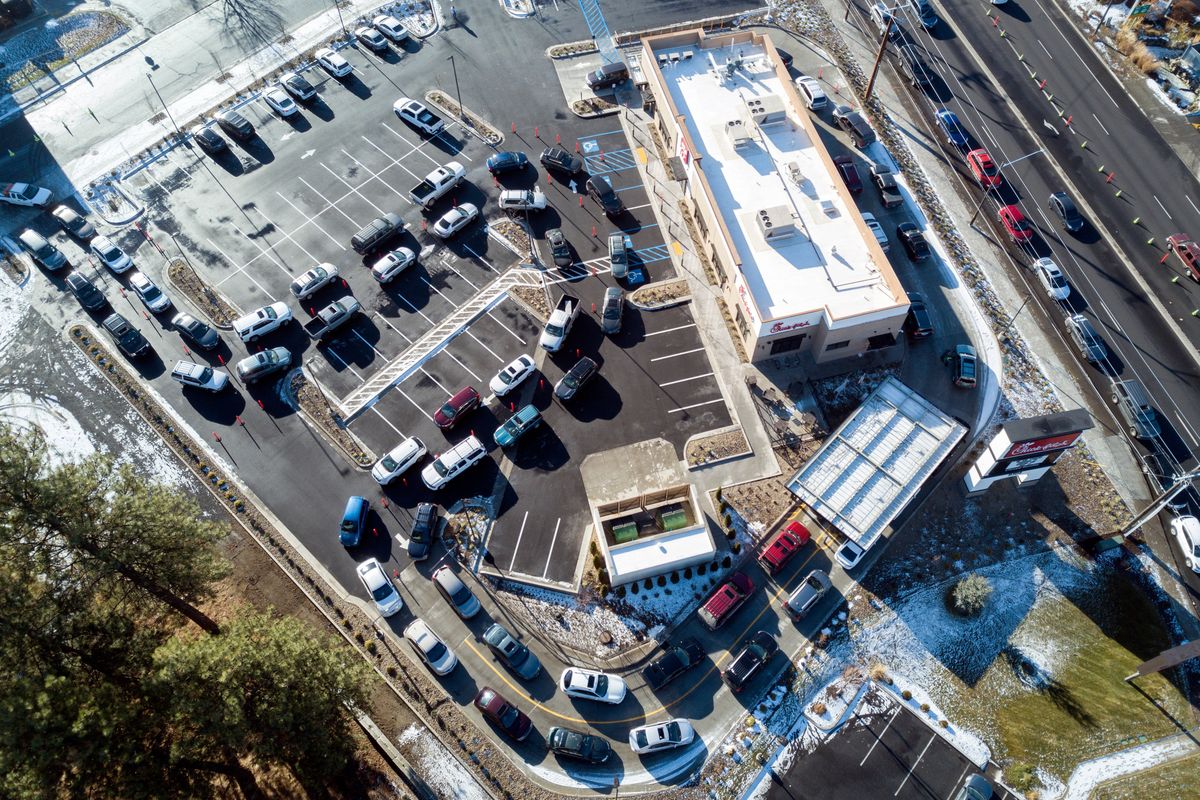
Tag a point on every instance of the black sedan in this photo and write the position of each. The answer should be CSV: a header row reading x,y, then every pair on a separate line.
x,y
196,332
582,746
913,241
209,140
506,161
675,660
420,538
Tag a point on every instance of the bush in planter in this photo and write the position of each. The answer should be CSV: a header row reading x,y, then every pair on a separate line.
x,y
730,534
687,572
633,587
700,569
906,694
819,708
735,547
648,584
674,576
620,591
925,707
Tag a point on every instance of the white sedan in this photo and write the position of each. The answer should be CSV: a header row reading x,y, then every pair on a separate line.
x,y
432,650
455,220
1187,534
393,264
588,684
281,102
663,736
397,460
380,587
334,64
152,297
511,376
1053,281
110,255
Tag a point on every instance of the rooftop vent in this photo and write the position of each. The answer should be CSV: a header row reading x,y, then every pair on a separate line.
x,y
737,132
776,222
766,110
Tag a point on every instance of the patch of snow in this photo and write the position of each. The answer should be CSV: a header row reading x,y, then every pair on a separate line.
x,y
1090,774
1051,788
444,773
967,743
66,440
570,618
13,307
1162,96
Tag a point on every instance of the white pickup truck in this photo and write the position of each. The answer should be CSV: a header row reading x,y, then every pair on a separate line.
x,y
437,184
560,322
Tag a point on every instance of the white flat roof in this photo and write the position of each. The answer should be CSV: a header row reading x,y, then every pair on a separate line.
x,y
660,552
828,263
873,465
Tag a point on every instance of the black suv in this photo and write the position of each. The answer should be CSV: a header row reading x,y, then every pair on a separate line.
x,y
235,125
570,384
559,248
917,324
749,660
561,159
85,292
675,660
578,745
128,338
913,241
209,140
601,190
420,538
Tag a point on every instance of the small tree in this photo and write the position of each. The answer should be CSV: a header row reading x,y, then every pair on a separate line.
x,y
971,594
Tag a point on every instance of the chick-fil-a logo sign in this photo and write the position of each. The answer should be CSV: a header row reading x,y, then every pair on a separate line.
x,y
779,327
1049,444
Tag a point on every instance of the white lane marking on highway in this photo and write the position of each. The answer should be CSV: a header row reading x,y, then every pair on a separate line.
x,y
446,391
482,344
393,327
1187,427
695,405
1101,124
1193,205
510,330
331,204
879,736
1039,41
414,402
550,552
368,344
376,177
308,220
461,364
519,534
342,361
685,380
914,765
676,355
670,330
388,421
1164,208
353,189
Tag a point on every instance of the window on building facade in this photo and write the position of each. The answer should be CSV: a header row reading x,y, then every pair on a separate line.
x,y
837,345
743,326
787,344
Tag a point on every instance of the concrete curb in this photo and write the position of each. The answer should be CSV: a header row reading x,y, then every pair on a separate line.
x,y
317,427
119,222
715,432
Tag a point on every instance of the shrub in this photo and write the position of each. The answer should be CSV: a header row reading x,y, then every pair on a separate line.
x,y
674,576
598,561
620,591
720,495
687,572
944,723
662,580
735,547
633,587
700,569
1021,777
818,708
730,534
971,594
727,562
925,707
906,694
879,673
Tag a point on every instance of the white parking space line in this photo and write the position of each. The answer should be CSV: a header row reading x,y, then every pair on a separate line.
x,y
445,139
519,534
396,191
353,189
388,421
638,208
963,775
446,263
408,303
330,204
411,147
914,765
696,405
309,221
685,380
478,257
676,355
439,291
395,162
484,346
368,344
510,330
342,361
446,391
670,330
879,736
262,251
393,327
238,270
461,364
288,236
414,402
550,552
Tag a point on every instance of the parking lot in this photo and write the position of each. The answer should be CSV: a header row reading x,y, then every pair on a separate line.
x,y
886,752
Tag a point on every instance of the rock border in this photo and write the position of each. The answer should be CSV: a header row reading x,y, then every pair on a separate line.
x,y
699,437
496,230
571,49
491,135
17,267
670,303
220,310
324,418
593,108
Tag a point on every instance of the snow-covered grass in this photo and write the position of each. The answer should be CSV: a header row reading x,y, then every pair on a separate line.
x,y
445,774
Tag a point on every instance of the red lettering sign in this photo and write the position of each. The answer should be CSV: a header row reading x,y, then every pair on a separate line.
x,y
1047,445
779,327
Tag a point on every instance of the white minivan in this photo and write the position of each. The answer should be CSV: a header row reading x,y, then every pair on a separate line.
x,y
814,96
452,463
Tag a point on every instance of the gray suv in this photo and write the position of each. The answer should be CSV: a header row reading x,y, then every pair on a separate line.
x,y
260,365
1133,403
1087,341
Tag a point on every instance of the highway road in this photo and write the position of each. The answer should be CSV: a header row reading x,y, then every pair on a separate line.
x,y
1112,264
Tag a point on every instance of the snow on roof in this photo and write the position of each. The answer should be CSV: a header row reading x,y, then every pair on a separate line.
x,y
871,466
659,553
772,167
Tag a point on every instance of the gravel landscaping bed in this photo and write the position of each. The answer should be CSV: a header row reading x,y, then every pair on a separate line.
x,y
490,133
534,299
312,403
661,295
593,107
716,447
512,233
207,300
15,268
759,503
572,49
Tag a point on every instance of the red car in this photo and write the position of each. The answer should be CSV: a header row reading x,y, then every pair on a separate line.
x,y
849,172
457,407
785,545
1187,251
983,168
1015,223
503,714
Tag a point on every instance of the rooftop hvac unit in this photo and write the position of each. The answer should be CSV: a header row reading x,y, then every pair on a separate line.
x,y
737,132
766,110
776,222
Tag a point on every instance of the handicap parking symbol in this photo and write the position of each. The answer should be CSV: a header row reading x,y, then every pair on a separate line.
x,y
590,146
636,277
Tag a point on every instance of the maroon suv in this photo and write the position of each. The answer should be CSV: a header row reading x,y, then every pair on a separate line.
x,y
504,714
457,407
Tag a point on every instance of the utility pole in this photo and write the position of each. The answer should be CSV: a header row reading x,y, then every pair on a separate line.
x,y
462,116
1157,504
1103,17
1014,316
338,8
887,31
150,78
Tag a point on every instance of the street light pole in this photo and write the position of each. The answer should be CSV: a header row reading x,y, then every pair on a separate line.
x,y
887,30
458,94
150,78
1014,316
338,8
1103,17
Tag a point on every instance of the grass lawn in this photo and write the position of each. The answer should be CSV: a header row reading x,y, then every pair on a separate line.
x,y
1169,782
